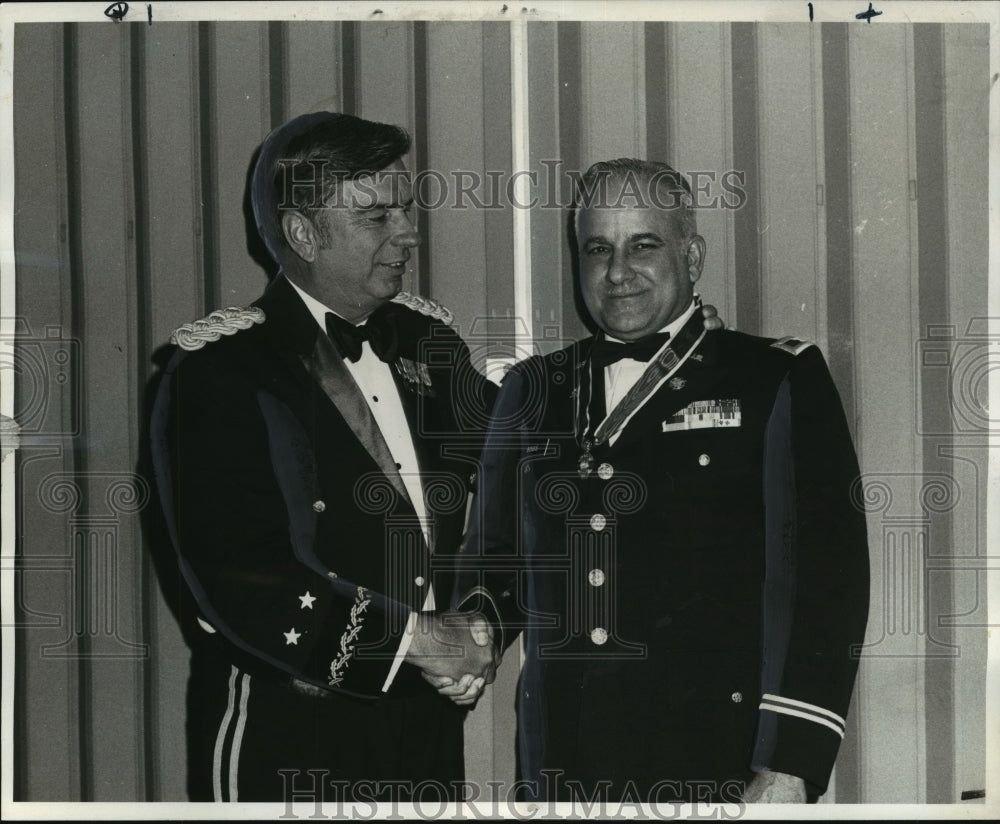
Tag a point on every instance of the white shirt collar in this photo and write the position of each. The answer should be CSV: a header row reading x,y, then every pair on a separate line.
x,y
316,308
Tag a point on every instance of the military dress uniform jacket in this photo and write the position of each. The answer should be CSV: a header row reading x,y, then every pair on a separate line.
x,y
301,549
691,603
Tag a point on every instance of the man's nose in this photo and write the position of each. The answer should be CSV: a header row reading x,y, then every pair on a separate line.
x,y
405,234
618,271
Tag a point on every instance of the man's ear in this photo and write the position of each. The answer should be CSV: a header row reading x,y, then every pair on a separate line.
x,y
695,257
300,234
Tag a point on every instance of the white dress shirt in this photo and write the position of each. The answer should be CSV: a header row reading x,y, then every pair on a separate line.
x,y
622,375
374,378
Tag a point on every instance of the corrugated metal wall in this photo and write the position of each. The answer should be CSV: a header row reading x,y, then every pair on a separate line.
x,y
864,228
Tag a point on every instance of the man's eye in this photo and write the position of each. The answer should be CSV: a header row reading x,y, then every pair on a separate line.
x,y
597,250
378,217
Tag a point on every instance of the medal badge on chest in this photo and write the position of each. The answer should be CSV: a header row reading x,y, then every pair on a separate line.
x,y
586,463
416,377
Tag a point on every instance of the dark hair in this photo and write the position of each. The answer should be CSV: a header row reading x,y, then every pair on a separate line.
x,y
327,147
592,188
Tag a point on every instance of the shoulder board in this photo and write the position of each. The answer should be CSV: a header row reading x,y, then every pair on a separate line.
x,y
221,322
425,306
792,345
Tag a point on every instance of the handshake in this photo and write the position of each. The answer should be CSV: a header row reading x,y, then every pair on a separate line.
x,y
455,653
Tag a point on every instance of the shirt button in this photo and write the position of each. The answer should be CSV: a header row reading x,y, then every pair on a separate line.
x,y
319,506
596,577
419,580
598,522
599,635
737,697
704,460
605,471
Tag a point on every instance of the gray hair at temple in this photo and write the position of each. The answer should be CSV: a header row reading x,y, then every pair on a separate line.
x,y
646,181
323,148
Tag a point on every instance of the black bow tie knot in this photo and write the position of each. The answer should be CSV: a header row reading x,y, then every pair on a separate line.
x,y
605,352
379,331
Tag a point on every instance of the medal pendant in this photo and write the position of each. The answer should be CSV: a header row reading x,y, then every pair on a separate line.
x,y
586,463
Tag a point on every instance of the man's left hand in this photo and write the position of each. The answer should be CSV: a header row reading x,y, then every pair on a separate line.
x,y
775,788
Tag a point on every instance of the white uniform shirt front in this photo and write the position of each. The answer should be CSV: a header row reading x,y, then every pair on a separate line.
x,y
374,378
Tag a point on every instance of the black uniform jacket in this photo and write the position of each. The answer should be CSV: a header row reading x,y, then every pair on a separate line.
x,y
690,606
292,526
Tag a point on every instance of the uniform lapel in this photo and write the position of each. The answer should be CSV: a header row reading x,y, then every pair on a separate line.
x,y
327,368
295,331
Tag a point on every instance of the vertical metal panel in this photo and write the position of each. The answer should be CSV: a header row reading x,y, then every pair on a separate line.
x,y
891,690
207,216
390,86
170,154
837,200
570,146
787,181
173,178
422,270
47,739
819,171
277,74
552,278
934,402
746,157
495,130
965,74
240,90
314,66
657,88
613,97
142,231
455,143
109,552
384,70
701,123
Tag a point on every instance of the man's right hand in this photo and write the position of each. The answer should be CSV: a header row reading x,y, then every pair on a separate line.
x,y
455,653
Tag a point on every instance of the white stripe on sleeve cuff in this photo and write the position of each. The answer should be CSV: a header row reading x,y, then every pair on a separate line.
x,y
802,709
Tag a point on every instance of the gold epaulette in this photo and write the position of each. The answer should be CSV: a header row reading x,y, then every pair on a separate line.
x,y
221,322
792,345
425,306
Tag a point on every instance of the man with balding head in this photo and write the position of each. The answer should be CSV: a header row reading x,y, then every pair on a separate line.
x,y
686,564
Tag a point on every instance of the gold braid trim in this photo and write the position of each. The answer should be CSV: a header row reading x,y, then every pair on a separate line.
x,y
221,322
348,639
425,306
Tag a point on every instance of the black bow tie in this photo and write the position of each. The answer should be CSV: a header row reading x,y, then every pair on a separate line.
x,y
605,352
379,331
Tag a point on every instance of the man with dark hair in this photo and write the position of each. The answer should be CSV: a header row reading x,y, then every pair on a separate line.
x,y
685,561
300,453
